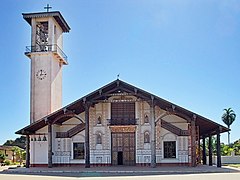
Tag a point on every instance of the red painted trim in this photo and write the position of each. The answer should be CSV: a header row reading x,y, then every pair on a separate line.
x,y
163,164
173,164
39,165
69,165
101,165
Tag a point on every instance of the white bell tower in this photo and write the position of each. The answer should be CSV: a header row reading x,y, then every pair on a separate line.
x,y
47,60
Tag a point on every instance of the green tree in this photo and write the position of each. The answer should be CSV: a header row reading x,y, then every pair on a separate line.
x,y
226,150
20,142
214,145
228,118
2,157
236,147
18,154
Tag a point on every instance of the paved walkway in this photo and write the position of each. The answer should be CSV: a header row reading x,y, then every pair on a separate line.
x,y
4,168
122,170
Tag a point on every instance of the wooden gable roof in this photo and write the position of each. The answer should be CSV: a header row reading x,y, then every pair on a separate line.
x,y
206,126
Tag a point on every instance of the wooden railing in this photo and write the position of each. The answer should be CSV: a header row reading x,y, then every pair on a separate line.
x,y
61,135
71,132
76,129
117,122
175,130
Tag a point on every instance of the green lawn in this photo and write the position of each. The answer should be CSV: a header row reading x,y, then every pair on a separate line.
x,y
234,165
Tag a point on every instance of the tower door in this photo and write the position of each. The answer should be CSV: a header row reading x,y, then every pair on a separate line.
x,y
120,158
123,148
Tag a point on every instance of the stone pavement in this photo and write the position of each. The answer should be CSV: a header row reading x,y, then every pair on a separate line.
x,y
130,170
4,168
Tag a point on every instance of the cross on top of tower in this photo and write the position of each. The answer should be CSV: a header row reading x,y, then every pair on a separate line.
x,y
48,7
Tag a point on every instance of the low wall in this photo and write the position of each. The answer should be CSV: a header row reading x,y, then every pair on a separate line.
x,y
226,159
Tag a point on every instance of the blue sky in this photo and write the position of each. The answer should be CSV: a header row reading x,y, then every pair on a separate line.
x,y
186,52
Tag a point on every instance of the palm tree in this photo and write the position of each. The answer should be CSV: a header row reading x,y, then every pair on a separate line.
x,y
17,154
228,117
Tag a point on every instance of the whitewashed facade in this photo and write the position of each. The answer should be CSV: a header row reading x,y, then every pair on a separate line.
x,y
101,153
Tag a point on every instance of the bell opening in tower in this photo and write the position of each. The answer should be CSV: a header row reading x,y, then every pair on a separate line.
x,y
42,37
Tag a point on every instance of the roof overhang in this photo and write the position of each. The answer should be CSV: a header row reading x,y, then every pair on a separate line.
x,y
206,126
55,14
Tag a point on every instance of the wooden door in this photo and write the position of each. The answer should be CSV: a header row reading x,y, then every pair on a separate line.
x,y
123,143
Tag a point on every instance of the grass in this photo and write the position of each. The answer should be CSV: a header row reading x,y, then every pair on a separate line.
x,y
234,165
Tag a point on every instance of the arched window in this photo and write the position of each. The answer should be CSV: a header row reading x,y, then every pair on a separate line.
x,y
146,119
99,138
99,120
146,137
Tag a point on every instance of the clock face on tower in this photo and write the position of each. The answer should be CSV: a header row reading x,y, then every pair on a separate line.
x,y
41,74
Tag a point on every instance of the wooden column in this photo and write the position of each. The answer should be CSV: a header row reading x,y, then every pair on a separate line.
x,y
210,150
27,151
50,146
199,150
193,142
87,147
219,163
204,151
153,134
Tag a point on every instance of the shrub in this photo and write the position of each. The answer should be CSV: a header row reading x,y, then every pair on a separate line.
x,y
2,157
7,162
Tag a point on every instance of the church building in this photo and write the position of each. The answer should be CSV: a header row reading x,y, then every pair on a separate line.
x,y
117,124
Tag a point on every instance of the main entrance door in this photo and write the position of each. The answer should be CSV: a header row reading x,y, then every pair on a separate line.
x,y
123,148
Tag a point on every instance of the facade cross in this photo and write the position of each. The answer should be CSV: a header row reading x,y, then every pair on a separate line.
x,y
48,7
